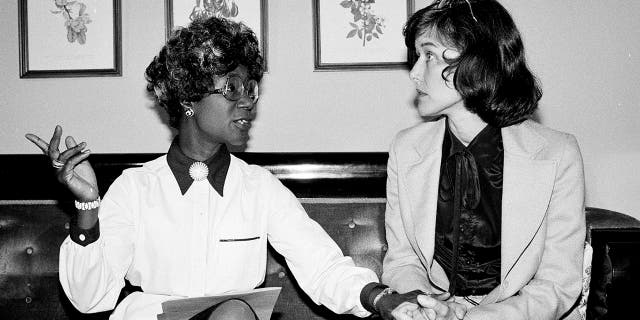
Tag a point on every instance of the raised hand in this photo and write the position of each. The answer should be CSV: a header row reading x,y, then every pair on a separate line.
x,y
72,167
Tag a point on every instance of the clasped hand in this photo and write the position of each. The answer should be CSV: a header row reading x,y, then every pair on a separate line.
x,y
418,305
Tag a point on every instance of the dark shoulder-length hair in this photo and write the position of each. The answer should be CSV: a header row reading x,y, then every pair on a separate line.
x,y
193,58
491,73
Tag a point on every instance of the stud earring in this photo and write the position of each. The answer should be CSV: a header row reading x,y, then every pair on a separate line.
x,y
188,111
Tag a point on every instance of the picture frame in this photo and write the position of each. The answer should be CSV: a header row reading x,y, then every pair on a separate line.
x,y
61,39
359,35
253,13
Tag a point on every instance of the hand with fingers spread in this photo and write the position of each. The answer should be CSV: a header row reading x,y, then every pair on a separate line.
x,y
72,167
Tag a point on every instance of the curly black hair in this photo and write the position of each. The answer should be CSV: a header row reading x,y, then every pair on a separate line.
x,y
491,72
194,57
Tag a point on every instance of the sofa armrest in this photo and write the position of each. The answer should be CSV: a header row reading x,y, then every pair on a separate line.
x,y
615,272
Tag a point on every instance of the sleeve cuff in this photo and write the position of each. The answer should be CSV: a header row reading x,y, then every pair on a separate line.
x,y
84,237
368,294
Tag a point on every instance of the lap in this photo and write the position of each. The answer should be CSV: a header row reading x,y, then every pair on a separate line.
x,y
232,309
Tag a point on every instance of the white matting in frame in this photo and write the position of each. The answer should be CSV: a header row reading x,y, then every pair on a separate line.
x,y
360,34
253,13
67,38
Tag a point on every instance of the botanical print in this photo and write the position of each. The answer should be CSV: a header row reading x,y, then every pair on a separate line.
x,y
365,23
76,19
214,8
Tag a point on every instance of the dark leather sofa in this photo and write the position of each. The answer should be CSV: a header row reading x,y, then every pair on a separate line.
x,y
344,192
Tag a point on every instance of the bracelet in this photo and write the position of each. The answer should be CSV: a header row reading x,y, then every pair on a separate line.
x,y
87,205
382,293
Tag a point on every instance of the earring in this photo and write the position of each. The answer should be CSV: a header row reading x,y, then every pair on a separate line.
x,y
188,111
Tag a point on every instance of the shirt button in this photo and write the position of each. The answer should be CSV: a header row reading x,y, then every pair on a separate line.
x,y
81,237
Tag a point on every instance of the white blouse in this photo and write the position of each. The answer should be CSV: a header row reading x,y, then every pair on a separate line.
x,y
199,244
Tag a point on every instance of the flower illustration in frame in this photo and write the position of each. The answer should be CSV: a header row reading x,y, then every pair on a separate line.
x,y
366,24
359,34
76,19
92,47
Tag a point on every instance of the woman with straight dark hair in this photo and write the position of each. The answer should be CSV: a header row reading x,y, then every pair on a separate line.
x,y
483,204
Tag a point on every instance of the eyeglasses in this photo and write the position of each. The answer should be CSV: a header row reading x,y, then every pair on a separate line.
x,y
440,4
234,88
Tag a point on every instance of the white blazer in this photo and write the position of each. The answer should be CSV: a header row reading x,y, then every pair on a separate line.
x,y
543,222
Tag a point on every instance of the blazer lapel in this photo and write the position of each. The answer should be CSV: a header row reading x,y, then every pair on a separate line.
x,y
527,187
526,190
422,175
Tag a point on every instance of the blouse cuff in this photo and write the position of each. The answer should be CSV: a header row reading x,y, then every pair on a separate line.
x,y
84,237
369,293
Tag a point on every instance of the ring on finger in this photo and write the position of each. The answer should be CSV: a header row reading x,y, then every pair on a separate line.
x,y
57,164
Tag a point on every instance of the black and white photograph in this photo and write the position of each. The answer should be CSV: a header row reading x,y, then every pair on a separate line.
x,y
319,159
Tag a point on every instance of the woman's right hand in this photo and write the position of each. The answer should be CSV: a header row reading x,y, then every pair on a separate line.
x,y
72,167
439,307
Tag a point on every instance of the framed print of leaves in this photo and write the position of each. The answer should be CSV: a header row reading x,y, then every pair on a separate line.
x,y
367,25
359,34
70,38
253,13
76,19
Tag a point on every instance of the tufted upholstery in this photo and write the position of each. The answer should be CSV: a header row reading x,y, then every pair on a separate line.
x,y
357,226
31,231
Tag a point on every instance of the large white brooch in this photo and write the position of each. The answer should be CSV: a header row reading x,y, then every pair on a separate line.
x,y
198,171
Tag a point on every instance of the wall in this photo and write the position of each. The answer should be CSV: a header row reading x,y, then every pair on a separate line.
x,y
586,53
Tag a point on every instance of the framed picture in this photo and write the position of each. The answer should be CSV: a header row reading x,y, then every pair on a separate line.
x,y
70,38
360,34
253,13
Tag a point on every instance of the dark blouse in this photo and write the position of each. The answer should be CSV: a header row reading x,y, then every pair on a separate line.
x,y
469,212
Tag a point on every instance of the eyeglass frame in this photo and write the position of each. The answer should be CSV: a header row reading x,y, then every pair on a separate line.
x,y
243,89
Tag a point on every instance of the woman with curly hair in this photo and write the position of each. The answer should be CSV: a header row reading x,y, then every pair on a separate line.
x,y
196,221
483,204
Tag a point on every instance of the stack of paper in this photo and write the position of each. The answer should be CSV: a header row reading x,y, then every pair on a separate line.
x,y
262,301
